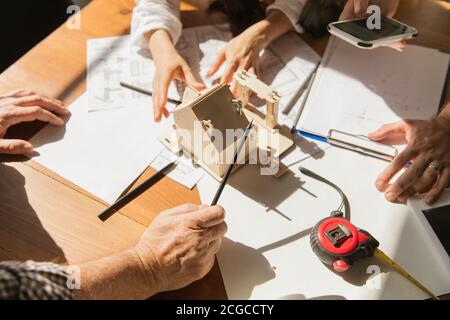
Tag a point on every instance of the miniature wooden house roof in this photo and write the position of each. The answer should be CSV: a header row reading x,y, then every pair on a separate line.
x,y
214,109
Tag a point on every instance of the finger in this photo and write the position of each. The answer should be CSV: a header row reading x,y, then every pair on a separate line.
x,y
184,208
18,93
245,63
406,194
229,71
392,8
218,62
46,103
426,181
407,179
399,46
347,12
255,67
156,100
360,7
388,131
394,166
433,195
15,146
164,84
28,114
191,79
214,246
208,261
216,232
210,216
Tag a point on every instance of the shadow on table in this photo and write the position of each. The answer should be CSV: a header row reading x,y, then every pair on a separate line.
x,y
24,237
267,190
252,268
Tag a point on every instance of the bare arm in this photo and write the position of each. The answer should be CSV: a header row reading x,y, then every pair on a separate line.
x,y
177,249
121,276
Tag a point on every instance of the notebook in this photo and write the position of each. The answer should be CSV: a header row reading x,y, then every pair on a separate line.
x,y
356,91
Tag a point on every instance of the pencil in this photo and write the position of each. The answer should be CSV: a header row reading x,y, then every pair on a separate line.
x,y
230,167
299,92
133,194
146,92
302,106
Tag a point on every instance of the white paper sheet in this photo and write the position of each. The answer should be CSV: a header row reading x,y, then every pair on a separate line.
x,y
285,64
111,60
102,152
185,172
267,254
359,90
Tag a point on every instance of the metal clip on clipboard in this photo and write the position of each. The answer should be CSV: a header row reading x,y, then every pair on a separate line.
x,y
361,144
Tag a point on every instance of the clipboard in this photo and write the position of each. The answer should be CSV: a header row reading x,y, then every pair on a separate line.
x,y
354,142
361,144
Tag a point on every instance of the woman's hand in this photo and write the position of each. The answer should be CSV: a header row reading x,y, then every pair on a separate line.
x,y
243,51
358,8
429,150
180,245
26,106
169,66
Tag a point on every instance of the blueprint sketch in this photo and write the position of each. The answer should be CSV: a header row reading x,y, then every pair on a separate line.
x,y
185,172
285,65
111,60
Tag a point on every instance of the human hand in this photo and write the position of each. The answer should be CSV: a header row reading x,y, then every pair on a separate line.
x,y
26,106
429,149
354,9
241,52
180,245
169,66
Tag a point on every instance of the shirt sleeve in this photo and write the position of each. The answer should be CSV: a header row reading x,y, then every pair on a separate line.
x,y
292,9
152,15
33,281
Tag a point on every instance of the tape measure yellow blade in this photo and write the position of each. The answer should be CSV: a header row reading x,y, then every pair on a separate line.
x,y
383,257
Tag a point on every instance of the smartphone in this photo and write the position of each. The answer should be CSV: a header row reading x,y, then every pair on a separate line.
x,y
435,218
358,33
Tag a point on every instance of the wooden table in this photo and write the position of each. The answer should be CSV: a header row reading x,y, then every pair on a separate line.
x,y
44,217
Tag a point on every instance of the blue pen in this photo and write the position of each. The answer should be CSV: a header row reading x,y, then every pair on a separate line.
x,y
324,139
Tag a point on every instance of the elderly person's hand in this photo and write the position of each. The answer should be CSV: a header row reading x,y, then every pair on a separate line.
x,y
429,150
180,245
25,106
358,8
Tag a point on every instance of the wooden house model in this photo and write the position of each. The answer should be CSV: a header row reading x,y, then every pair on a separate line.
x,y
208,126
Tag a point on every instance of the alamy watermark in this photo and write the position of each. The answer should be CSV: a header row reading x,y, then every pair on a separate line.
x,y
374,18
74,20
215,148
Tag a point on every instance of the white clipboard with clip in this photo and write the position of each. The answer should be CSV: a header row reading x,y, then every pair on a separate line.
x,y
361,144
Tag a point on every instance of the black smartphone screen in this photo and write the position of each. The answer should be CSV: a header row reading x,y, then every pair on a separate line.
x,y
359,29
439,219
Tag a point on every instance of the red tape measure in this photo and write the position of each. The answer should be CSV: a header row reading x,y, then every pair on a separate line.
x,y
338,243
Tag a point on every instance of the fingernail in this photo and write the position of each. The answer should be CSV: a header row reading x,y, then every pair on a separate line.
x,y
379,184
428,200
390,196
29,148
